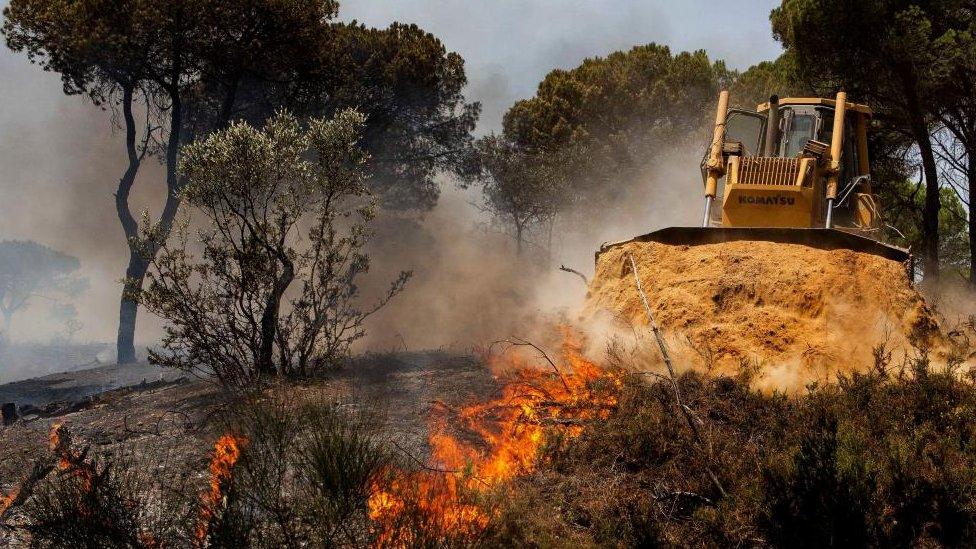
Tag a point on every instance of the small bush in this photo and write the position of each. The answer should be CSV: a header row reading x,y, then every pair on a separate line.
x,y
78,510
106,500
274,291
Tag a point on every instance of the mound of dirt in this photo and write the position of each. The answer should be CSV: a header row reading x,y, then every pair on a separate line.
x,y
795,311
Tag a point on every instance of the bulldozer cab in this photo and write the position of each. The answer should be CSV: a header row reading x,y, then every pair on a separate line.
x,y
795,170
777,167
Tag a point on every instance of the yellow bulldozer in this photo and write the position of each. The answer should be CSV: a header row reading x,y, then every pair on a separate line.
x,y
795,170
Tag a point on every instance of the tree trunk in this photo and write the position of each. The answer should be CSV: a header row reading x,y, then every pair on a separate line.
x,y
933,203
269,320
124,344
138,265
135,273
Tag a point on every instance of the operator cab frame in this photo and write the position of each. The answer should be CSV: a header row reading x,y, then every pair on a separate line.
x,y
800,128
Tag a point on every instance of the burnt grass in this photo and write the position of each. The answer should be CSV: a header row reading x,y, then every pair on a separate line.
x,y
882,458
155,442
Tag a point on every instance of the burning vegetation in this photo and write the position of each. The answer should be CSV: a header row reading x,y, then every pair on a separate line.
x,y
226,452
568,449
259,289
479,447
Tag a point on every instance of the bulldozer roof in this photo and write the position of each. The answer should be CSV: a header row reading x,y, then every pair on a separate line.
x,y
856,107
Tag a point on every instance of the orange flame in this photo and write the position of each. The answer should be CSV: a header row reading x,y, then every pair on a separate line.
x,y
61,447
8,500
505,435
227,450
66,460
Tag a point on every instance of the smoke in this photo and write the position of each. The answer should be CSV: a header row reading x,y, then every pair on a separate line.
x,y
470,287
61,159
524,40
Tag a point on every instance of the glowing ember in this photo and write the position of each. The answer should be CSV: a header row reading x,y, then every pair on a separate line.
x,y
505,437
227,450
55,436
73,464
8,500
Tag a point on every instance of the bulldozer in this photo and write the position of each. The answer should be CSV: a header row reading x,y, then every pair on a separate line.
x,y
795,170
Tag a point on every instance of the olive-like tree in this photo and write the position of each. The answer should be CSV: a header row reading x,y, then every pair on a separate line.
x,y
273,291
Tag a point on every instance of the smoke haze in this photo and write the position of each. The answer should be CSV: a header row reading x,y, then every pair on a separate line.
x,y
60,161
470,288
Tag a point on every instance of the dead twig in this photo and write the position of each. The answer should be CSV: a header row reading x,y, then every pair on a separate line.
x,y
686,495
575,272
429,468
25,490
519,342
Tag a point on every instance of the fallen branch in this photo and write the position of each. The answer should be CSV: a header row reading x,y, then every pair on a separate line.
x,y
687,495
562,421
685,410
21,493
432,469
519,342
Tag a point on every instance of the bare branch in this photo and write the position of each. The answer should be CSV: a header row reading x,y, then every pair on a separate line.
x,y
575,272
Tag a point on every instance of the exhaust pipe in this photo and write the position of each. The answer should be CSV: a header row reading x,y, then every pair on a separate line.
x,y
772,127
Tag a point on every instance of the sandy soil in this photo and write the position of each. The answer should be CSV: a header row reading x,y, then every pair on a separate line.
x,y
798,312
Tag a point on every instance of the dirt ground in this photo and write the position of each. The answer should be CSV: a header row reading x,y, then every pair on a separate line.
x,y
181,418
796,311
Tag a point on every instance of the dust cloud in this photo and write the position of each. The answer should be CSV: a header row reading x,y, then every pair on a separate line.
x,y
61,159
470,287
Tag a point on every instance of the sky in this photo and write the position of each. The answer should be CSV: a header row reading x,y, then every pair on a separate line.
x,y
510,45
60,158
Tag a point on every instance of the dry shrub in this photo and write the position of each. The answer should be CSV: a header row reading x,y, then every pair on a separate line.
x,y
301,475
879,459
273,291
104,500
304,476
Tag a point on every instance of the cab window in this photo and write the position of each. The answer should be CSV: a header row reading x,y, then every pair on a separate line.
x,y
746,128
800,128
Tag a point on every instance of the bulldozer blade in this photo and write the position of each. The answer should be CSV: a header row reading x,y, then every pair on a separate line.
x,y
824,239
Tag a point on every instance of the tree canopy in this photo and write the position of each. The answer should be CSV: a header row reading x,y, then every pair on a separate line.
x,y
893,54
29,270
757,83
615,114
410,89
179,70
